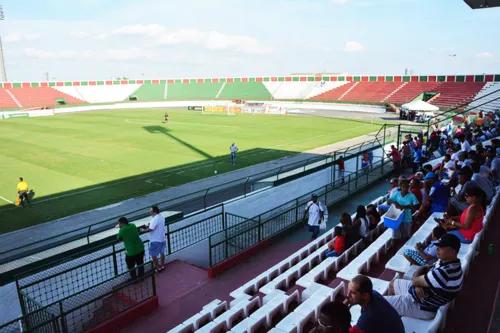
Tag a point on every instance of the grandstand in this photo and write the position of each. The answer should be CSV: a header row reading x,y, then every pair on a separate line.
x,y
77,281
444,91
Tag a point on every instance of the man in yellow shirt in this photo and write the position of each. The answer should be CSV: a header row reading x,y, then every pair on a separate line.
x,y
22,190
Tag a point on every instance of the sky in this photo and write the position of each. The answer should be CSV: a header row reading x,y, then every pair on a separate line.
x,y
103,39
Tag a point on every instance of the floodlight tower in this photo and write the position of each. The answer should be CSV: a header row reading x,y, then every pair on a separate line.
x,y
2,60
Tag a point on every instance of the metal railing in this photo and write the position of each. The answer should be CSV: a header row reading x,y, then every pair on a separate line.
x,y
86,309
251,231
109,260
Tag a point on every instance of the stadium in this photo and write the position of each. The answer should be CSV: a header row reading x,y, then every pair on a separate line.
x,y
231,166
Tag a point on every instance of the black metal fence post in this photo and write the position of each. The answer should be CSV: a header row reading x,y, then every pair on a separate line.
x,y
115,261
64,324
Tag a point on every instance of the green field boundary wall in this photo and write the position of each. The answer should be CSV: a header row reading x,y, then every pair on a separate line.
x,y
355,78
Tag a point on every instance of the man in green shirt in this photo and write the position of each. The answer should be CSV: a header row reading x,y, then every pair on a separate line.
x,y
134,248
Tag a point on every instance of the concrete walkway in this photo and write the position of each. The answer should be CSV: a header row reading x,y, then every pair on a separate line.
x,y
36,236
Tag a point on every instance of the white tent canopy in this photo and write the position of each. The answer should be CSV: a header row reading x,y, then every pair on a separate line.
x,y
419,106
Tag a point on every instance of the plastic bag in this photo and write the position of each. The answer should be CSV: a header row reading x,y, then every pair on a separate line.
x,y
322,225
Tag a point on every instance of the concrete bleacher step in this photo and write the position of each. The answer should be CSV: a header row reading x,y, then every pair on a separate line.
x,y
13,98
348,91
394,91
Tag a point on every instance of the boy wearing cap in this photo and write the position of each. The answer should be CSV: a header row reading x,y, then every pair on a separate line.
x,y
316,213
431,286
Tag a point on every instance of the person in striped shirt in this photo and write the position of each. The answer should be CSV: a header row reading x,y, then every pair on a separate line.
x,y
431,286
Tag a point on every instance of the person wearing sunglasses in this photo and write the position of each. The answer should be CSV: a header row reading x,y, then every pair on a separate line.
x,y
470,222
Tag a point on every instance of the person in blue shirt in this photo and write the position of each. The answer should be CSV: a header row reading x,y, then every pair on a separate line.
x,y
377,315
438,196
417,158
406,201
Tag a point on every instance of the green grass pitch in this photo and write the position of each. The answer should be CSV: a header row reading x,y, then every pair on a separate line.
x,y
78,162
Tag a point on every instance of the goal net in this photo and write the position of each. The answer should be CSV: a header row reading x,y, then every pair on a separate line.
x,y
229,109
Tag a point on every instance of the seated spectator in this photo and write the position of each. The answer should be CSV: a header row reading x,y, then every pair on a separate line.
x,y
425,255
482,178
337,246
467,225
383,208
405,201
426,168
416,189
361,222
377,315
334,318
458,203
431,286
438,196
493,162
373,216
350,231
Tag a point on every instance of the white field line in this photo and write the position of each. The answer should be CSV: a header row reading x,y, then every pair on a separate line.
x,y
176,122
199,165
6,200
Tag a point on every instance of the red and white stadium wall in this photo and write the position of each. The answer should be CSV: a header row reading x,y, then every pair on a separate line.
x,y
423,78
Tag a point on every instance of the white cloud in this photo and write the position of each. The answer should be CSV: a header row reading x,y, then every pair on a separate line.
x,y
58,54
17,37
212,40
484,55
353,46
340,2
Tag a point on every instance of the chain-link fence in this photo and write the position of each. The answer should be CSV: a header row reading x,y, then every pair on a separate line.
x,y
87,308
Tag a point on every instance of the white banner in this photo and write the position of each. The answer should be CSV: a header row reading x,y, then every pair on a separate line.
x,y
26,114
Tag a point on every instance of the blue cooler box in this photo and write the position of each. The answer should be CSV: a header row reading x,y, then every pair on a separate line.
x,y
393,217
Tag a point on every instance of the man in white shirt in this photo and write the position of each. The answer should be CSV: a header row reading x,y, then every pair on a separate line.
x,y
233,149
157,240
315,211
465,146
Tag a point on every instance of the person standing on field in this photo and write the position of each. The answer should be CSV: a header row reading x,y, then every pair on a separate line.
x,y
233,149
134,248
157,240
22,191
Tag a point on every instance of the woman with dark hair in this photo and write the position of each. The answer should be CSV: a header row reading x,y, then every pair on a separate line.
x,y
373,216
466,226
361,221
351,232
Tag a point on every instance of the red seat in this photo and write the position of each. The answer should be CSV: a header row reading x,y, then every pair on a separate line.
x,y
42,96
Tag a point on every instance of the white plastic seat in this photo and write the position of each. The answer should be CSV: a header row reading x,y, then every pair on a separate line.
x,y
313,305
230,316
181,328
242,298
414,325
319,272
213,327
267,313
198,320
249,325
275,294
215,310
294,322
